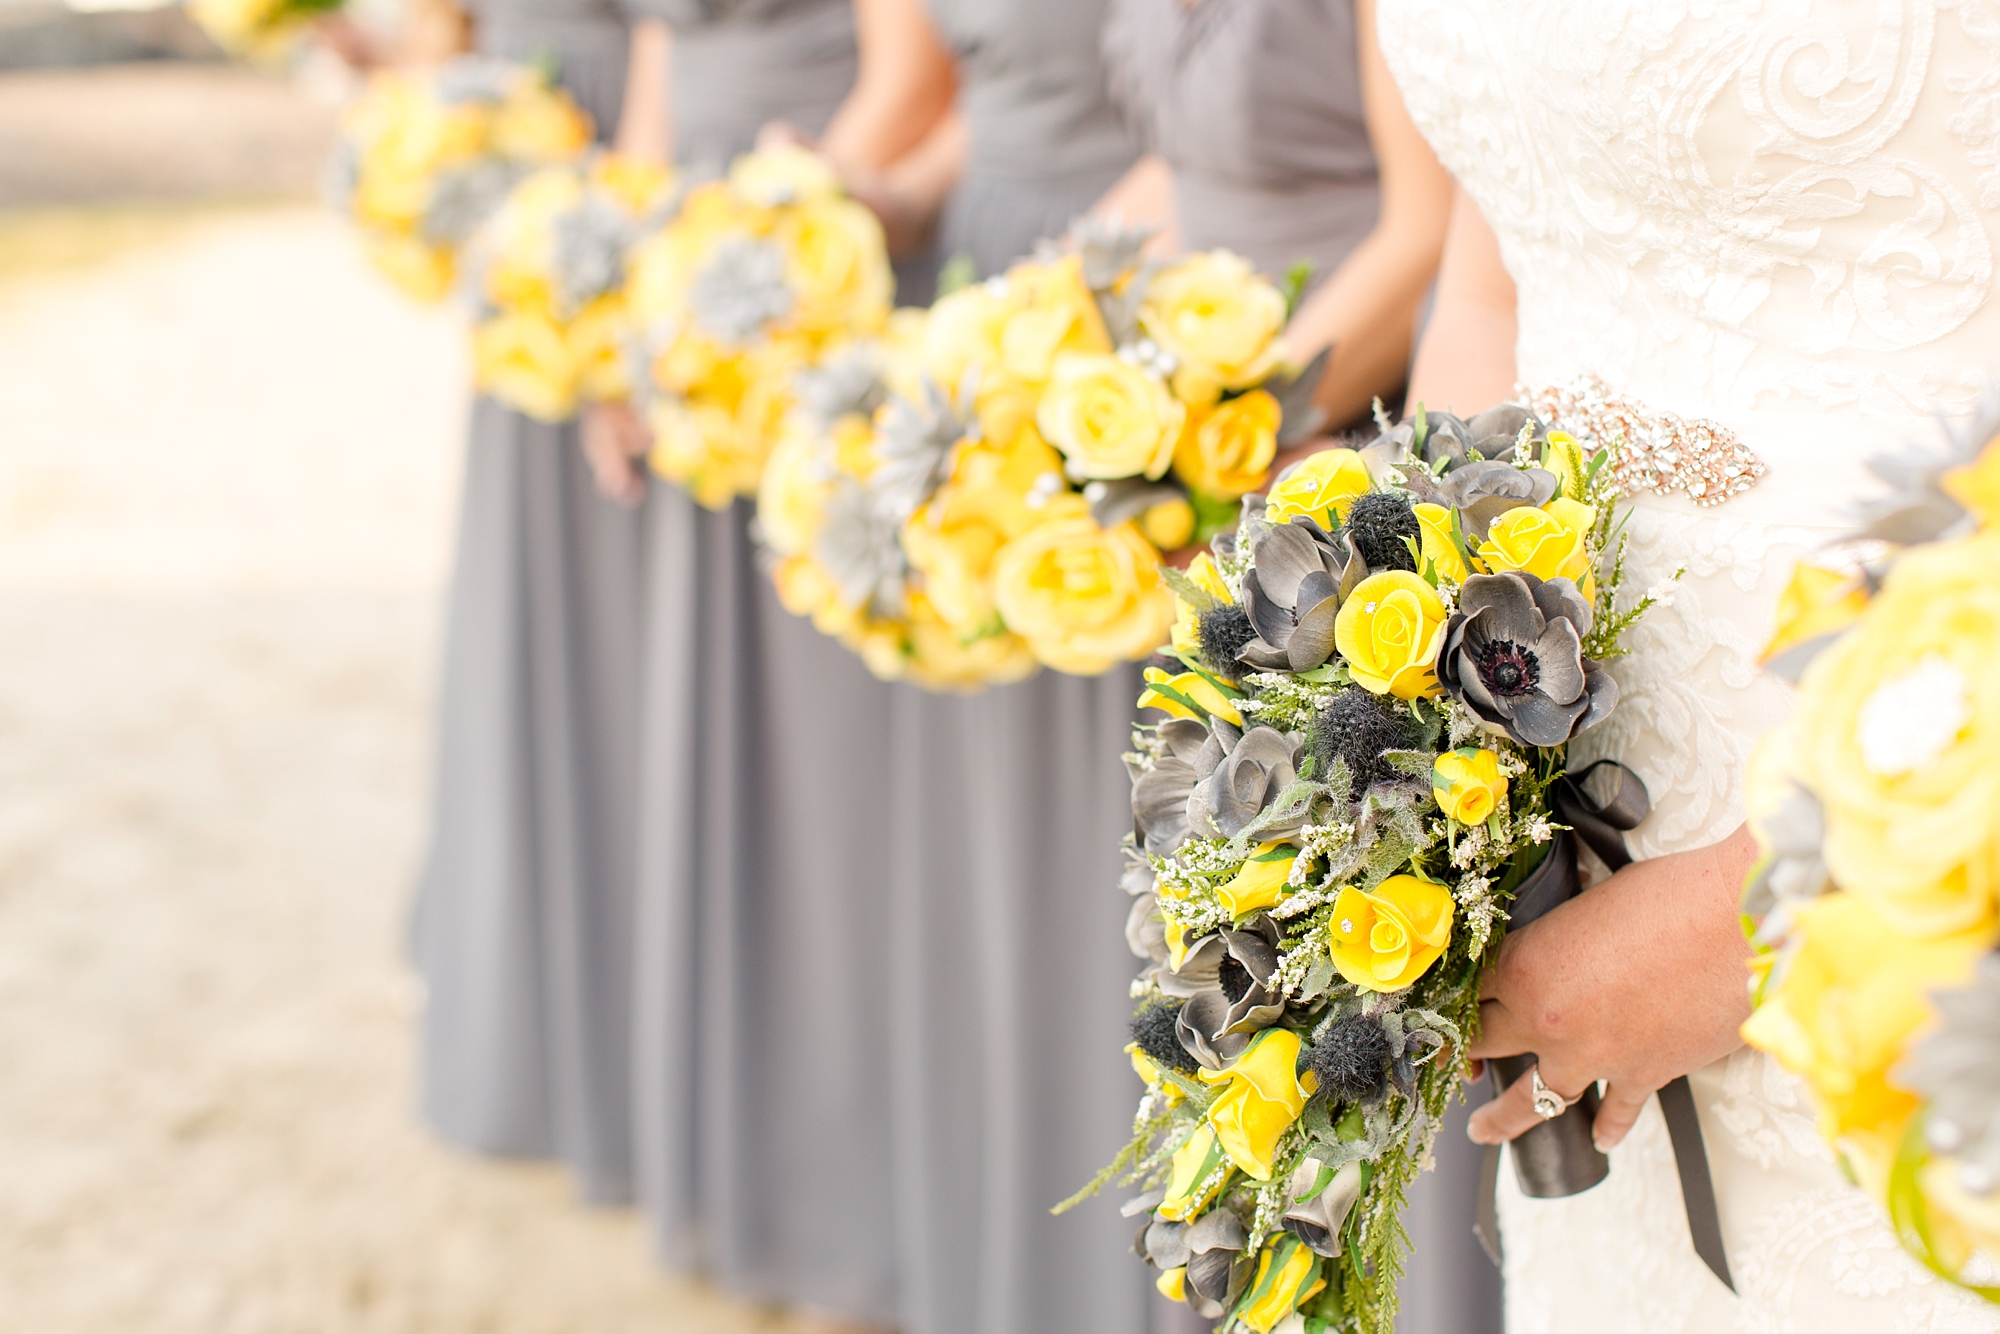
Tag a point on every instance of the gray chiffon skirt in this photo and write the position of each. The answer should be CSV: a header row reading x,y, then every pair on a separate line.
x,y
523,914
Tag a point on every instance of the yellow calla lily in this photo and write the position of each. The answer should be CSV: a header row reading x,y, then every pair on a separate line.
x,y
1262,881
1262,1097
1173,693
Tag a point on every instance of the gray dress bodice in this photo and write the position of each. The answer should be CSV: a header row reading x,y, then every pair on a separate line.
x,y
739,64
1256,104
587,38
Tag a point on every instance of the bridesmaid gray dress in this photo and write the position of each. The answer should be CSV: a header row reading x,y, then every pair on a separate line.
x,y
1007,944
523,910
1257,107
763,1107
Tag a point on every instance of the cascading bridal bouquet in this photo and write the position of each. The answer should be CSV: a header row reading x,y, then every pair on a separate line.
x,y
756,278
547,277
423,159
1877,903
1379,674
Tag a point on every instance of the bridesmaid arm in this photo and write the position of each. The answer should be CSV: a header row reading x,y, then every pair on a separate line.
x,y
1465,363
1144,197
905,87
1367,309
646,118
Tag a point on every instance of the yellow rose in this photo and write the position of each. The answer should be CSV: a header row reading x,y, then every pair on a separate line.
x,y
1168,525
1109,418
1262,881
1288,1276
1187,621
793,492
1815,602
1084,597
1227,450
596,339
1899,721
1468,784
702,448
1213,312
1260,1099
1977,485
524,361
1048,311
982,506
1434,529
421,271
1198,1170
1549,543
962,331
537,123
1389,630
1320,488
838,265
943,657
634,184
1386,940
804,588
1187,695
783,174
1852,999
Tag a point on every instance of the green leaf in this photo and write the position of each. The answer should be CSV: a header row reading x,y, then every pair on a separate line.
x,y
1297,278
1187,590
1212,515
959,272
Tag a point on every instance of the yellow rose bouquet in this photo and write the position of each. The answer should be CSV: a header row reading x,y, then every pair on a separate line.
x,y
547,277
757,277
1358,782
423,159
261,30
1878,809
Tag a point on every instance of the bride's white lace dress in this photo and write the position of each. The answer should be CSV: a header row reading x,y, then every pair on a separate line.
x,y
1780,216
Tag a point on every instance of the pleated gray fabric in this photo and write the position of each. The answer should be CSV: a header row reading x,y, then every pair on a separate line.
x,y
763,1099
1256,104
523,909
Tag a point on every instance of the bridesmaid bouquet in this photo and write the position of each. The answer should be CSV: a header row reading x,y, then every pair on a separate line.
x,y
548,276
257,29
1072,419
757,277
1376,680
1878,809
423,159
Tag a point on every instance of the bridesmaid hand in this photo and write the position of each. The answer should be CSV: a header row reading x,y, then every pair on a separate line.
x,y
1634,982
614,438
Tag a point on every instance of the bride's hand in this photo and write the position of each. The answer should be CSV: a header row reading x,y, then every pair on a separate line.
x,y
1633,982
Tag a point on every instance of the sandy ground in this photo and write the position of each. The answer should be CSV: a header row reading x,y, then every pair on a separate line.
x,y
226,481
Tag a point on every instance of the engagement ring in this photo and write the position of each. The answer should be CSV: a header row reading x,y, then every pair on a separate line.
x,y
1548,1103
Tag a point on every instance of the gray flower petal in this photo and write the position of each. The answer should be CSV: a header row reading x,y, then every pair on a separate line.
x,y
1560,653
1539,721
1312,642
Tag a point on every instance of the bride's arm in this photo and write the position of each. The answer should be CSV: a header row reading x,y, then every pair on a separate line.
x,y
1465,360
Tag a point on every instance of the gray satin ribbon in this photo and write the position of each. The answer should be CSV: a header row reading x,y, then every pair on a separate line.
x,y
1558,1158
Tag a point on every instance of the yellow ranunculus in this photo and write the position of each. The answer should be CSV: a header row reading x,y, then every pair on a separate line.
x,y
1109,418
783,174
1260,1099
1899,726
1193,1165
1563,456
1851,1001
1168,525
1815,602
1386,940
1262,881
1434,529
1389,630
1084,597
1288,1276
1550,543
1226,451
1320,488
524,361
1468,784
1165,691
1187,622
1217,317
838,266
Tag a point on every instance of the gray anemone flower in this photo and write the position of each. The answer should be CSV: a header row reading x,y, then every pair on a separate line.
x,y
1483,490
1958,1066
1513,652
1317,1220
1918,509
1237,774
1164,1243
589,245
742,288
1217,1268
1160,791
1450,442
1145,933
1794,869
1226,978
1297,579
463,197
861,547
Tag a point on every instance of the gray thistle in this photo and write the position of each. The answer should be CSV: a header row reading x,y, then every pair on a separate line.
x,y
740,290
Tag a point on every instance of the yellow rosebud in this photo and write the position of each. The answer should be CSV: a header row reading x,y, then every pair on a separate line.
x,y
1109,418
1084,597
1386,940
1563,456
1187,621
1174,693
1815,602
1434,529
1468,784
1168,525
1148,1071
1550,543
1189,1183
1852,999
1321,488
1389,630
524,361
1288,1276
1899,723
1227,451
1260,1099
1977,485
1214,314
1262,881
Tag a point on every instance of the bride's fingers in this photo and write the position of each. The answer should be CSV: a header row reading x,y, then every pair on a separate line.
x,y
1513,1112
1617,1114
1500,1033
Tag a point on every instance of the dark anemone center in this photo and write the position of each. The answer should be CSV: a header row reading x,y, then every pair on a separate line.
x,y
1508,669
1234,979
